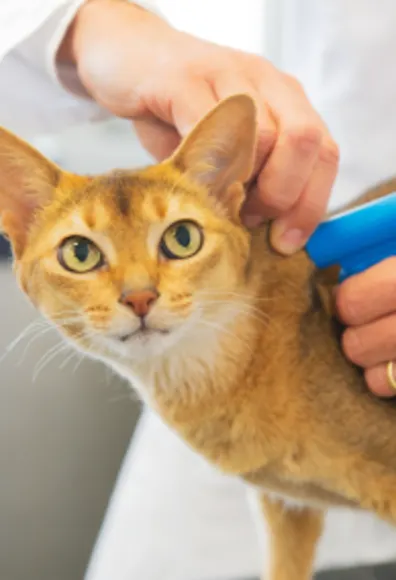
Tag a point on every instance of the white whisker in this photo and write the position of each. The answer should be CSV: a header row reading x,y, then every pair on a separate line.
x,y
33,339
241,308
67,359
78,362
48,357
130,395
31,328
221,328
53,352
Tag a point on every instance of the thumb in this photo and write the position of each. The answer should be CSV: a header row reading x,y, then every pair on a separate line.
x,y
190,104
158,138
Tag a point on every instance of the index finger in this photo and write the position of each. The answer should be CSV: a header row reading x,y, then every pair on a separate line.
x,y
295,184
292,230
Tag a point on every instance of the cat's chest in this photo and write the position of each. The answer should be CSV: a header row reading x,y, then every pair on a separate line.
x,y
217,423
224,435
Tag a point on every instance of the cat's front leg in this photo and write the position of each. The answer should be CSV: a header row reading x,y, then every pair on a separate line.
x,y
294,533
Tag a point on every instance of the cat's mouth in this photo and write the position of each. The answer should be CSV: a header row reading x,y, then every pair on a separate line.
x,y
143,331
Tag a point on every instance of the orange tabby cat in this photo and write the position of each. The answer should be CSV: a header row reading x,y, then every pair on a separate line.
x,y
234,346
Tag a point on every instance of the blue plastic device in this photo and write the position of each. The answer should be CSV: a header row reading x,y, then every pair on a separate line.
x,y
356,239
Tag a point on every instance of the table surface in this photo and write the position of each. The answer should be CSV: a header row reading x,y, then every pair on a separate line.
x,y
383,572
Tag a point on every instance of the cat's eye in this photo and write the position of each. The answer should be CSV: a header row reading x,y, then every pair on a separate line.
x,y
80,255
181,240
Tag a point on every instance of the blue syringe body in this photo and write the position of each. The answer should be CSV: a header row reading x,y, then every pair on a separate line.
x,y
356,239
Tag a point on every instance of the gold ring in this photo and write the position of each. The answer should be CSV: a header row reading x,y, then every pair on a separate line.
x,y
390,375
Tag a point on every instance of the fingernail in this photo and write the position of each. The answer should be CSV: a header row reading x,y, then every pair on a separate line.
x,y
289,241
252,221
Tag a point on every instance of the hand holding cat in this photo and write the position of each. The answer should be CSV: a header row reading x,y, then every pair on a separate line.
x,y
139,67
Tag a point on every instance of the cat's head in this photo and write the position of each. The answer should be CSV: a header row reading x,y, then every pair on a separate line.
x,y
131,263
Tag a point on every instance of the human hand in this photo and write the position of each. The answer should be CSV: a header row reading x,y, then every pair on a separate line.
x,y
367,304
138,67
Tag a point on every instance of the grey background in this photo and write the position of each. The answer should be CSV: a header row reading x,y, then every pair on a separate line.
x,y
63,436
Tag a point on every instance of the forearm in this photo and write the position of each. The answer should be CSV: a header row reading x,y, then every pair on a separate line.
x,y
110,50
94,13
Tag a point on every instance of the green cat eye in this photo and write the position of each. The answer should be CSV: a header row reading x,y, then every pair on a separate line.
x,y
80,255
181,240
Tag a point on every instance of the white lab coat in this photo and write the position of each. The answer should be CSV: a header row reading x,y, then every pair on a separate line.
x,y
172,517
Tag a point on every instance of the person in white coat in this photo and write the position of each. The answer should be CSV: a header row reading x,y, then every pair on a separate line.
x,y
64,61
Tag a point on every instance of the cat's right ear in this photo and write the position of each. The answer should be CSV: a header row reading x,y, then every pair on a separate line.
x,y
219,152
27,183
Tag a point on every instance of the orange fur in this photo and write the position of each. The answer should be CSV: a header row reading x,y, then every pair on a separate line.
x,y
243,359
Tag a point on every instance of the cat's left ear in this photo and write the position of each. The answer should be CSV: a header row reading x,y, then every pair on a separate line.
x,y
27,183
219,152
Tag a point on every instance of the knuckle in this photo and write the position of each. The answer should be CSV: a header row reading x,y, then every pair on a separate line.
x,y
275,205
255,61
279,204
313,209
330,152
305,137
272,198
267,137
352,346
294,83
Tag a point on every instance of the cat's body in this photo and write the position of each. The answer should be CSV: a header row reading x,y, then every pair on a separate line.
x,y
279,397
233,345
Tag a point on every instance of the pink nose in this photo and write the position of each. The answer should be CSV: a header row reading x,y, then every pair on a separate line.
x,y
140,301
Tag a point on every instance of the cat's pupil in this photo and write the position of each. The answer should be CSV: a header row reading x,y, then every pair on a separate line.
x,y
182,236
81,250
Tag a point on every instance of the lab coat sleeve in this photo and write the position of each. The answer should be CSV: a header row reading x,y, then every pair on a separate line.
x,y
36,95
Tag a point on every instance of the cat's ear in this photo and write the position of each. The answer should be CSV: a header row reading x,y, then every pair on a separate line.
x,y
27,183
219,152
